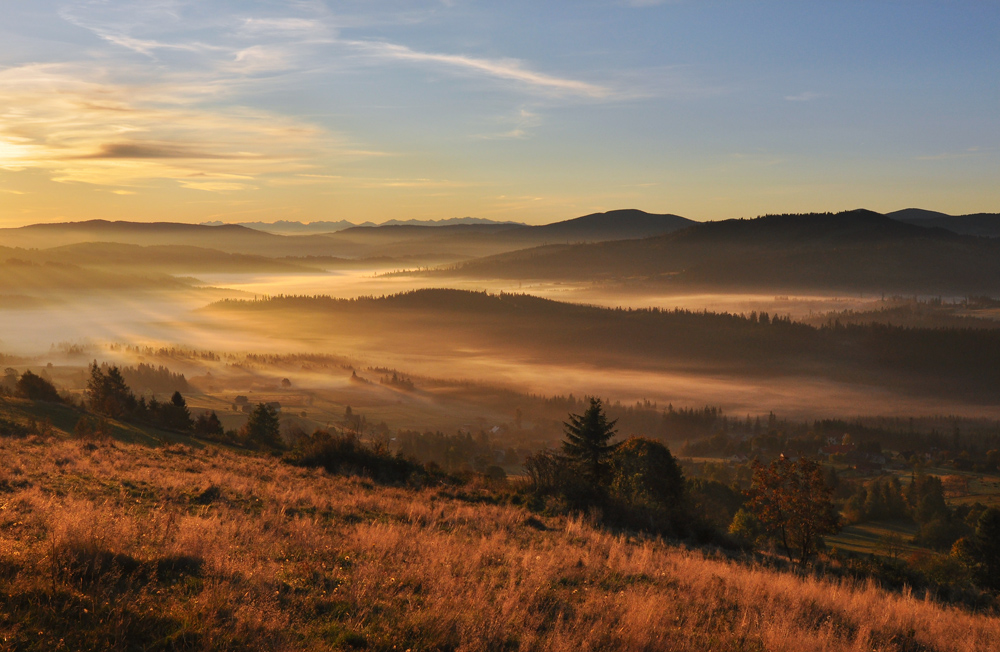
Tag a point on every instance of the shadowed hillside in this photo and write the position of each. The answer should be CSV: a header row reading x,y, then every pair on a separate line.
x,y
158,258
60,278
852,251
982,224
447,321
396,240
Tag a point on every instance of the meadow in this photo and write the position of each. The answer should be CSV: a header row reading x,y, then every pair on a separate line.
x,y
115,546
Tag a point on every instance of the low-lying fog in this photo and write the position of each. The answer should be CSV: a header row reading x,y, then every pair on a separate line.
x,y
172,319
350,284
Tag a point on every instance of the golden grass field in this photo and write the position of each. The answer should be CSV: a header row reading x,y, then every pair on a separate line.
x,y
113,546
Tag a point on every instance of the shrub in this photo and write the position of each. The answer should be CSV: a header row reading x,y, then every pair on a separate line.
x,y
36,388
92,427
12,429
345,453
648,486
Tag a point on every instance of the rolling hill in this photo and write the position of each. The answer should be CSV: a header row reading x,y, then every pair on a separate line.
x,y
851,251
394,240
982,224
956,362
171,259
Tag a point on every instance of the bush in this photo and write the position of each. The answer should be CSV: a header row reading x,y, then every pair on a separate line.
x,y
550,473
36,388
645,488
13,429
92,427
345,453
747,529
648,487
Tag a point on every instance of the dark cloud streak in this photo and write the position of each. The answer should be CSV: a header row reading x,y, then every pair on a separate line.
x,y
157,151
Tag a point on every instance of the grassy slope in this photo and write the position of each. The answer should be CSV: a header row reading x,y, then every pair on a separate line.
x,y
128,547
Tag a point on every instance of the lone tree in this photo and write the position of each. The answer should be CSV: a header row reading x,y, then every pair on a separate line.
x,y
176,414
263,427
587,441
793,504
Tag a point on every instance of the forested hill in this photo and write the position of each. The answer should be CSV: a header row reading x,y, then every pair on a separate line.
x,y
982,224
955,361
612,225
854,250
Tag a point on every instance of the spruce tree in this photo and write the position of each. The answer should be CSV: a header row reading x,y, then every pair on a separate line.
x,y
263,427
587,442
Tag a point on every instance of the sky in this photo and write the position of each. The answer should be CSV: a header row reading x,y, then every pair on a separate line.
x,y
238,111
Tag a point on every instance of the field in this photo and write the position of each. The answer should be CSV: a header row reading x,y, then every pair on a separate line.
x,y
123,546
876,538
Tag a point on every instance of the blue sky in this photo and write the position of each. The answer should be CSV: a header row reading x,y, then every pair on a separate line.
x,y
236,111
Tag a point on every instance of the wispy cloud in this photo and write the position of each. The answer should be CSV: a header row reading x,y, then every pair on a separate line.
x,y
506,69
216,186
520,125
82,126
305,179
311,30
153,150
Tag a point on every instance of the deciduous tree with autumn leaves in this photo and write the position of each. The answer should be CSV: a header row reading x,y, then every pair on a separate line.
x,y
793,504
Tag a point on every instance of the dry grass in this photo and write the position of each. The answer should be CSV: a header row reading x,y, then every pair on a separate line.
x,y
125,547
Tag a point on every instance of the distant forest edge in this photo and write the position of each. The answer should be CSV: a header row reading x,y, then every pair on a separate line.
x,y
953,361
854,251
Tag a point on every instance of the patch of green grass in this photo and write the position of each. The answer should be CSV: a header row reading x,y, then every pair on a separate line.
x,y
867,538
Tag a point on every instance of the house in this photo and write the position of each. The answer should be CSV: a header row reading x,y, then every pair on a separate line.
x,y
837,449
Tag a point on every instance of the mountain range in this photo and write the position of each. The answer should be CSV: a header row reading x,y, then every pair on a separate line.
x,y
908,251
286,227
449,239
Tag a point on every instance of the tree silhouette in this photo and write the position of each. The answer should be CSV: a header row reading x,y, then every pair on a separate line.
x,y
208,425
176,413
587,441
981,551
263,427
108,394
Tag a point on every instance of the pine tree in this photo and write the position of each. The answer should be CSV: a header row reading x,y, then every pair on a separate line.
x,y
108,394
587,441
263,427
179,416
